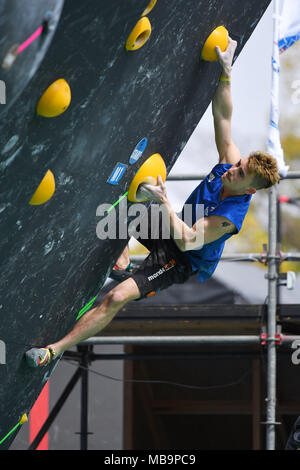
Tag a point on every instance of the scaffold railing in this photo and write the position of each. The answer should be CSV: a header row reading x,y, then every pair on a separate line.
x,y
201,176
280,339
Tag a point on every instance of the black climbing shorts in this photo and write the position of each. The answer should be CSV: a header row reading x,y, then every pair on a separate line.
x,y
165,265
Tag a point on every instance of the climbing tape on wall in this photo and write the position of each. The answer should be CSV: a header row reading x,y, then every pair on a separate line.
x,y
116,203
85,308
23,420
17,49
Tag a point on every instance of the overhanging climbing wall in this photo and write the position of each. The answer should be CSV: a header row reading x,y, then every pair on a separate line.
x,y
52,262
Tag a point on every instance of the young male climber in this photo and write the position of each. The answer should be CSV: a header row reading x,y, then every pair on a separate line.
x,y
225,195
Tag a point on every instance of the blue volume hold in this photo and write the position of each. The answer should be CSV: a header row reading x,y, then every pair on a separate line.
x,y
138,151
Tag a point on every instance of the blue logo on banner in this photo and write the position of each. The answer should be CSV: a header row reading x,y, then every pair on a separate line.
x,y
117,174
138,151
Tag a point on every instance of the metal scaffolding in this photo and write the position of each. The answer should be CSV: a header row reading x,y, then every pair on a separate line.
x,y
273,257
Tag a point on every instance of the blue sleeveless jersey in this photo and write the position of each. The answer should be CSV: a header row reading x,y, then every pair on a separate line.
x,y
234,208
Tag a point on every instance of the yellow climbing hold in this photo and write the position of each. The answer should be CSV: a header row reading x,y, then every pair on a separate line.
x,y
149,7
55,99
219,37
139,35
44,191
24,419
147,173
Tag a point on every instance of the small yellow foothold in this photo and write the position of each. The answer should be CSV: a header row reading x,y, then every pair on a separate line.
x,y
55,100
24,419
151,5
219,37
44,191
148,173
139,35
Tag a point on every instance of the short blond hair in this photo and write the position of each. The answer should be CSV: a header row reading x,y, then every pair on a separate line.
x,y
265,169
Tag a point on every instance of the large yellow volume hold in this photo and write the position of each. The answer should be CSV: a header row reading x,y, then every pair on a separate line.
x,y
55,99
44,191
139,35
148,173
219,37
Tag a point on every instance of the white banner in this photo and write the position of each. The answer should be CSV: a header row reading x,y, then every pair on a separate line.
x,y
289,30
274,144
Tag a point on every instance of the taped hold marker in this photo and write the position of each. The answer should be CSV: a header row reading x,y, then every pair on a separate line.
x,y
138,151
117,173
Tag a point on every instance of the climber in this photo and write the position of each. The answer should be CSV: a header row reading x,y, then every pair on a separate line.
x,y
225,195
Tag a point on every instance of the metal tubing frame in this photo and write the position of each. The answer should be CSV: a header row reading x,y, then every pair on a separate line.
x,y
280,339
84,364
252,257
290,176
271,324
173,340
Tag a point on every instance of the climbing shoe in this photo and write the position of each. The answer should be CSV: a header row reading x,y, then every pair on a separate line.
x,y
39,357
